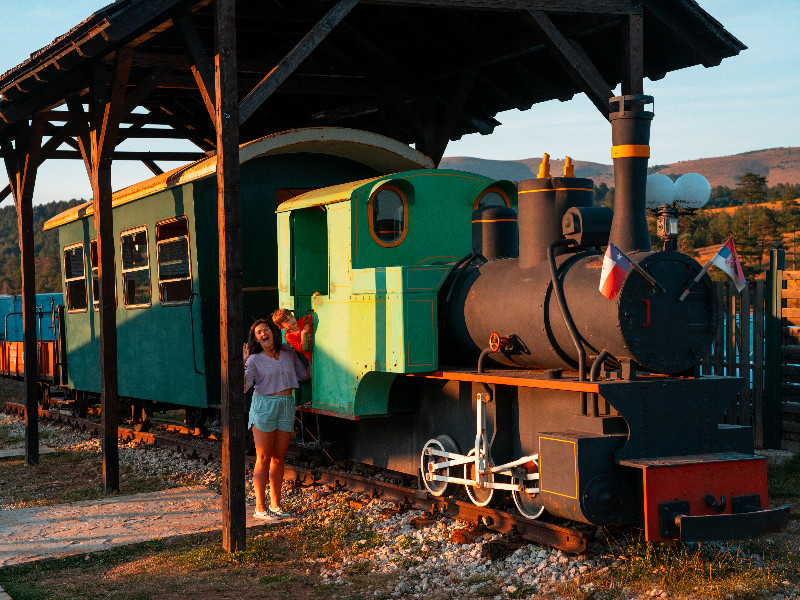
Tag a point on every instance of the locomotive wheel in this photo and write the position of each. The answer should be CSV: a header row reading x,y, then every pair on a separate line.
x,y
529,505
443,443
482,496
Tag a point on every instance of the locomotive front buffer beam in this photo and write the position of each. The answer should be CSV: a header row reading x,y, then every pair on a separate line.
x,y
685,498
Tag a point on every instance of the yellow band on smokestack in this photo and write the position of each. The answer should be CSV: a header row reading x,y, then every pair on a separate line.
x,y
544,168
630,151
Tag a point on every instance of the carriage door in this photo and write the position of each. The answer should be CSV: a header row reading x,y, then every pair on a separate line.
x,y
309,256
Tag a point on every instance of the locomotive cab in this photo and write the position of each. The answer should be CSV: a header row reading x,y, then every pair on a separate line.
x,y
377,262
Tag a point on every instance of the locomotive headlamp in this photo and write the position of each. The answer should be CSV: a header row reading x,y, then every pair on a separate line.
x,y
692,191
660,191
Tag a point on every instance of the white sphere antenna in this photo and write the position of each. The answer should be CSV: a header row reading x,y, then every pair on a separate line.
x,y
659,191
692,191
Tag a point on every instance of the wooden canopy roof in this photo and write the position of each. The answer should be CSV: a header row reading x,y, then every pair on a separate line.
x,y
419,71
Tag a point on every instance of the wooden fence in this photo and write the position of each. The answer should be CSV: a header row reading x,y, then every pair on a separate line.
x,y
790,361
738,351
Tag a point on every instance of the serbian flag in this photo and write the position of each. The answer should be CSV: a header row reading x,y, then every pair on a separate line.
x,y
727,260
615,266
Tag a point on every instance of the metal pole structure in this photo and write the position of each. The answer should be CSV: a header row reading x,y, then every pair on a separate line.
x,y
234,525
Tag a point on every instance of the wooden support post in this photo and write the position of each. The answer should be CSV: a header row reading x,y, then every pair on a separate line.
x,y
96,144
234,524
22,163
633,59
772,351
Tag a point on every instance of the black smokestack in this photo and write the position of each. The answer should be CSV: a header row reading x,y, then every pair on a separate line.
x,y
630,135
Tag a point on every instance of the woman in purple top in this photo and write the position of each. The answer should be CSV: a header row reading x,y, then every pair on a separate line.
x,y
275,369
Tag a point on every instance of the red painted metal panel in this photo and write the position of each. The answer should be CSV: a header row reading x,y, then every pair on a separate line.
x,y
691,481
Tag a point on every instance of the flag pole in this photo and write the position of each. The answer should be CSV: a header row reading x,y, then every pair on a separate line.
x,y
647,275
696,279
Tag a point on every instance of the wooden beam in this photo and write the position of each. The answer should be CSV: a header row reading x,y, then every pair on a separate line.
x,y
80,122
453,111
575,61
229,219
154,168
22,163
292,60
633,57
201,67
144,88
134,155
678,30
564,6
397,89
148,118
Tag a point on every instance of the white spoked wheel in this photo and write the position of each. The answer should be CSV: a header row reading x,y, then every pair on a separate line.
x,y
443,443
529,504
481,496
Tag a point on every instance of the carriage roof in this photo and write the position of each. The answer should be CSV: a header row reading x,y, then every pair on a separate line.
x,y
379,152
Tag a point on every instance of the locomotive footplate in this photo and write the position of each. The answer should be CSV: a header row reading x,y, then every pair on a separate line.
x,y
707,497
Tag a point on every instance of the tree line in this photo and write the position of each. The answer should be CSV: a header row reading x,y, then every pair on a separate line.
x,y
755,227
46,248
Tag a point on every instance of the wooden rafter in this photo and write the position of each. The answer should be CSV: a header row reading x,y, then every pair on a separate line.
x,y
291,61
562,6
709,58
200,63
575,61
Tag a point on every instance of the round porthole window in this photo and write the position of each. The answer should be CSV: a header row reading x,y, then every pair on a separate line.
x,y
491,197
388,216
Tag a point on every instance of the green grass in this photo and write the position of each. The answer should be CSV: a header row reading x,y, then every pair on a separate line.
x,y
66,476
702,570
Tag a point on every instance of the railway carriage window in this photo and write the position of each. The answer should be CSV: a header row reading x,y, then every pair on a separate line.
x,y
491,197
174,272
135,269
388,216
75,278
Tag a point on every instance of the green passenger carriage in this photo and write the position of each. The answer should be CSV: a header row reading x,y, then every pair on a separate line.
x,y
167,267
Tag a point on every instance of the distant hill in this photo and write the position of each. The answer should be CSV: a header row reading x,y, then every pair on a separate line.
x,y
779,165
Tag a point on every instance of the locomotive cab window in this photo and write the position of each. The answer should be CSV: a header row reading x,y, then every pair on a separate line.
x,y
491,197
75,278
388,216
135,269
95,262
174,270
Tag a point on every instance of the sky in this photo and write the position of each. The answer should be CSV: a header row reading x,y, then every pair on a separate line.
x,y
749,102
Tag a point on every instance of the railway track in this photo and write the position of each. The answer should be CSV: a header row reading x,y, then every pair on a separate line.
x,y
183,441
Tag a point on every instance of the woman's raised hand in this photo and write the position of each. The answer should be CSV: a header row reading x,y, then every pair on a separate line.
x,y
246,352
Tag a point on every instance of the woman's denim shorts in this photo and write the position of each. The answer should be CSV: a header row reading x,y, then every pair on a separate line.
x,y
269,413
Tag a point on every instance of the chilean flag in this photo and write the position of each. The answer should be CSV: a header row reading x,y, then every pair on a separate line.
x,y
615,266
727,260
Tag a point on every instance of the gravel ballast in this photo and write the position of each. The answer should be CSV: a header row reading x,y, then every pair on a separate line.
x,y
416,563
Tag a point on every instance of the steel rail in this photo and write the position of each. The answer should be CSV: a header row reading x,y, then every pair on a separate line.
x,y
181,440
